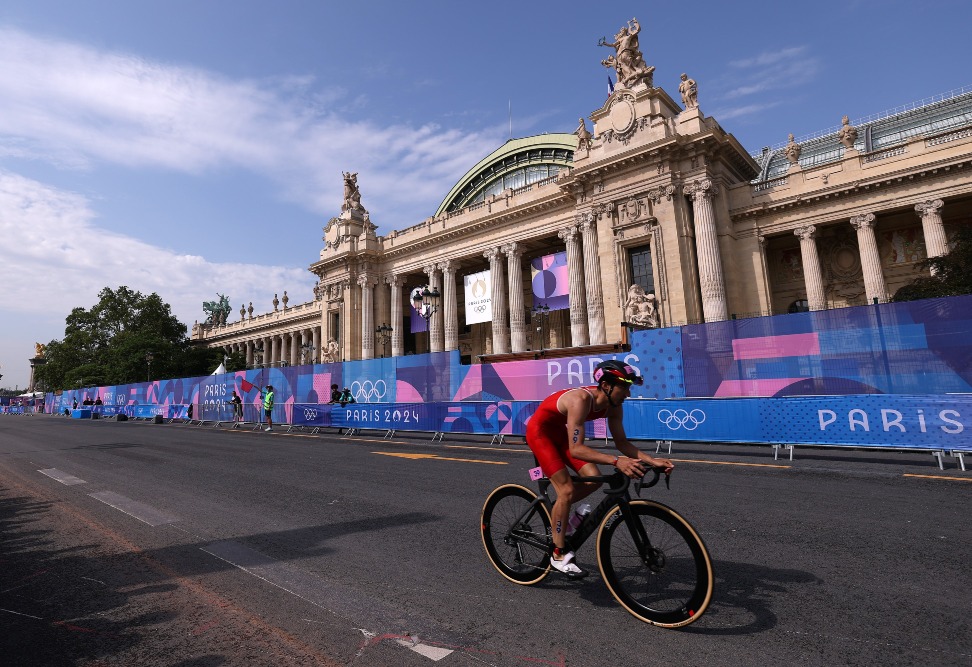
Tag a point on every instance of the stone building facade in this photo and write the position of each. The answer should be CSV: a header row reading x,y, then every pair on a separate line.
x,y
655,194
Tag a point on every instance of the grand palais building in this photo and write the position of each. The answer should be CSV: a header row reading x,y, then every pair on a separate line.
x,y
658,216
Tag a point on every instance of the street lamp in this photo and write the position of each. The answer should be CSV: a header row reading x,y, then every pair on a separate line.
x,y
383,333
426,303
148,358
541,315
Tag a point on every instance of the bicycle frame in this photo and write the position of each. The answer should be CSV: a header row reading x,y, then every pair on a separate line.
x,y
615,494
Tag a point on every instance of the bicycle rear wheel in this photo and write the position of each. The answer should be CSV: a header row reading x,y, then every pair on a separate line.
x,y
516,534
671,586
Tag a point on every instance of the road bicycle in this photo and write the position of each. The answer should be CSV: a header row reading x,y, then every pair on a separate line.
x,y
651,559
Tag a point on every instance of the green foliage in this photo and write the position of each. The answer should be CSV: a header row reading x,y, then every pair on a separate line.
x,y
952,272
108,344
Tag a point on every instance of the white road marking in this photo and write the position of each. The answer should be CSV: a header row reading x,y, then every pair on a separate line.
x,y
336,598
140,511
61,476
434,653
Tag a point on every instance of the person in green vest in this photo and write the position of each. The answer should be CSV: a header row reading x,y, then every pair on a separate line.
x,y
268,407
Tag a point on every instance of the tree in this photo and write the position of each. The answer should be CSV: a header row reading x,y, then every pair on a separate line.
x,y
952,272
108,343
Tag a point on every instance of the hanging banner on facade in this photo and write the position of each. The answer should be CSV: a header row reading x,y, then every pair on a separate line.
x,y
551,284
418,323
479,302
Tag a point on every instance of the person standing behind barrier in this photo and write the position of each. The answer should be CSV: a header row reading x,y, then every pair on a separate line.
x,y
98,401
74,405
335,394
237,403
268,407
346,397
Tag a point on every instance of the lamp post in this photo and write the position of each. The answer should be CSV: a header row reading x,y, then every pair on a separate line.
x,y
148,358
383,334
541,315
427,304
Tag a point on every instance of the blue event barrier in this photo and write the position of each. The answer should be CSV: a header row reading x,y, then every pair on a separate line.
x,y
311,414
865,420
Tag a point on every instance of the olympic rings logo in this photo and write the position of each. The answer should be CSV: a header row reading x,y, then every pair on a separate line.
x,y
368,391
310,414
681,419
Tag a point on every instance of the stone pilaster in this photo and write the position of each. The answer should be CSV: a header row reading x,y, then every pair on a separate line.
x,y
295,348
578,295
316,336
436,330
936,244
874,286
249,354
450,305
812,274
514,266
592,280
711,277
367,283
501,329
395,288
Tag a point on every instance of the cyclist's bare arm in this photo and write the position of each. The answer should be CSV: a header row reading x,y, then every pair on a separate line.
x,y
631,453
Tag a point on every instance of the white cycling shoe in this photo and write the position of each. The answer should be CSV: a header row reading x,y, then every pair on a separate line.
x,y
567,566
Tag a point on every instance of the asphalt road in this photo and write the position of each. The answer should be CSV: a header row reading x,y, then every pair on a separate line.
x,y
192,546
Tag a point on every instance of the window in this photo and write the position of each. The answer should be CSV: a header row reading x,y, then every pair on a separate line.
x,y
641,273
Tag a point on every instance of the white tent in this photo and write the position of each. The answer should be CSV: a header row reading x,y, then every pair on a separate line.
x,y
219,370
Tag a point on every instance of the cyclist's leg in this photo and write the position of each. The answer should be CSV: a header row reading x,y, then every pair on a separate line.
x,y
584,489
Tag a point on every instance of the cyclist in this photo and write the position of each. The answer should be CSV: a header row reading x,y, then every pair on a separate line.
x,y
556,434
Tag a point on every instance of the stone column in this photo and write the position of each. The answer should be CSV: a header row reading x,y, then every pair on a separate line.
x,y
295,348
812,274
435,322
273,350
874,286
711,280
316,336
367,284
249,354
450,305
592,280
267,351
936,244
501,330
578,296
518,328
395,287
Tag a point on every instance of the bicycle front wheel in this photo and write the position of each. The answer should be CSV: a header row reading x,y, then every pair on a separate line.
x,y
670,585
516,534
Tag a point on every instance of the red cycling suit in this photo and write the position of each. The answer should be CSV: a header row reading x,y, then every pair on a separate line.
x,y
546,434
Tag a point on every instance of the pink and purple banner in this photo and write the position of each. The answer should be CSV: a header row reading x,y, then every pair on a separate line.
x,y
551,284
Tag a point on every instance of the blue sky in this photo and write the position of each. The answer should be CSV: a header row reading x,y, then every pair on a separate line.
x,y
189,148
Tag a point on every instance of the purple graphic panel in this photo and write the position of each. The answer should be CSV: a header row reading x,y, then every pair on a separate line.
x,y
551,284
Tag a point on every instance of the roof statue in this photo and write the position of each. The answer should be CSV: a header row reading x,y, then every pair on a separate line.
x,y
847,134
793,151
352,196
690,92
583,135
627,60
39,350
217,311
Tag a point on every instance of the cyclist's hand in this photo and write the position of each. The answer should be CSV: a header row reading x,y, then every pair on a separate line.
x,y
633,468
663,465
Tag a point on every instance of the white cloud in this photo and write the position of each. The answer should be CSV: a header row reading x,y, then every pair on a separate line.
x,y
76,107
58,256
771,71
